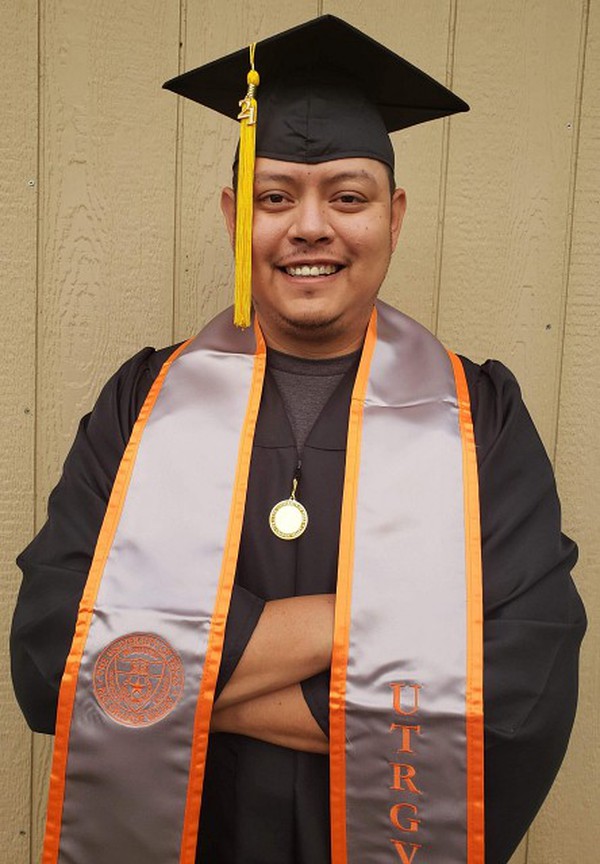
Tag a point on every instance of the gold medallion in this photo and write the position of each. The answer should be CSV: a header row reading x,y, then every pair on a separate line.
x,y
288,519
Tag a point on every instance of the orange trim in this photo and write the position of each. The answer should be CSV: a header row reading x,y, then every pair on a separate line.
x,y
474,689
341,635
68,685
217,628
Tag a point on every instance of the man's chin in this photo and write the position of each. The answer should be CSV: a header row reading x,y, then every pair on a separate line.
x,y
312,323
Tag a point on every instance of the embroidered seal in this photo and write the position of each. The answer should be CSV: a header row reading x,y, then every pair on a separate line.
x,y
138,679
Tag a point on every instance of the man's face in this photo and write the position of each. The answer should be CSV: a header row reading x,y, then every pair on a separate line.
x,y
322,240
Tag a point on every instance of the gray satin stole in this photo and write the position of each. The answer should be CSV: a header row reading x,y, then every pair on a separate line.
x,y
406,707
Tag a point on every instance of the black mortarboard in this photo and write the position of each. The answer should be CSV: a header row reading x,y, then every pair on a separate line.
x,y
326,92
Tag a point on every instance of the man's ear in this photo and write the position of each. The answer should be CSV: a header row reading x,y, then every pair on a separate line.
x,y
228,211
397,215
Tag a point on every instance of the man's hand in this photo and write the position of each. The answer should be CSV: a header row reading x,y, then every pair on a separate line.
x,y
282,718
292,641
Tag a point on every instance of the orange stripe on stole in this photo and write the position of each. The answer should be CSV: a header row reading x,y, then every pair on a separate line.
x,y
341,636
68,685
474,590
219,618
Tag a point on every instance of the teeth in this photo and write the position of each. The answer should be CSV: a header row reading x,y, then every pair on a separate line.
x,y
312,270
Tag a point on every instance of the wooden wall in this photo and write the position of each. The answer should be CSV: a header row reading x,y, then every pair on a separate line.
x,y
110,239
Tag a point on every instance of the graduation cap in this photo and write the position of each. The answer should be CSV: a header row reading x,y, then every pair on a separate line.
x,y
327,91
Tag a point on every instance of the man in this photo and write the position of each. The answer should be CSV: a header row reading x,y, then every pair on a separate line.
x,y
340,478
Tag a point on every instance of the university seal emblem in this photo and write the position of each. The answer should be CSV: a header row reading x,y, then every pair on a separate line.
x,y
138,679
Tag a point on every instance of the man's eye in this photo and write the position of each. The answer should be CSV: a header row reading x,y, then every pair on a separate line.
x,y
350,198
273,198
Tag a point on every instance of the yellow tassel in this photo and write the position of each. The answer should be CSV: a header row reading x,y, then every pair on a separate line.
x,y
245,199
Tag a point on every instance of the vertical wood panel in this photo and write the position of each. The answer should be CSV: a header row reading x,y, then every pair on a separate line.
x,y
205,264
507,216
509,177
106,223
420,32
569,827
106,226
18,206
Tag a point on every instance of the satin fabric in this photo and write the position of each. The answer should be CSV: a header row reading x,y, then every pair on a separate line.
x,y
407,624
161,577
216,370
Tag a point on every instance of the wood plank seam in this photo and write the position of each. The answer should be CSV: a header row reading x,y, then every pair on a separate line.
x,y
443,187
577,114
35,516
178,179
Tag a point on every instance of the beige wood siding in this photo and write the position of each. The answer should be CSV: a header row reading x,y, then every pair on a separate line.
x,y
18,221
111,239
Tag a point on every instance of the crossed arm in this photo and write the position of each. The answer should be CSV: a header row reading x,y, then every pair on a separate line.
x,y
263,698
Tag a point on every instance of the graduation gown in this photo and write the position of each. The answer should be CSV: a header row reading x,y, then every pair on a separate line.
x,y
269,805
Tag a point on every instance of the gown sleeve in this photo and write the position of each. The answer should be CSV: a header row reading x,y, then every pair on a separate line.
x,y
533,617
56,563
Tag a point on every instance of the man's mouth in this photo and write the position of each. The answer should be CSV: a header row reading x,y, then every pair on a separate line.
x,y
312,270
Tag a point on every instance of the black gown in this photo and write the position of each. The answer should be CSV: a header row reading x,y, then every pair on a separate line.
x,y
265,804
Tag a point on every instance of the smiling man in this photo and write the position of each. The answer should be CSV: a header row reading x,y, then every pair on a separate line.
x,y
323,237
302,587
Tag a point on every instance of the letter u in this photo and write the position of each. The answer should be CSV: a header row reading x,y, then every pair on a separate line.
x,y
397,688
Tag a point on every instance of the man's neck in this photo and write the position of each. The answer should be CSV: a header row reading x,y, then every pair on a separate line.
x,y
313,345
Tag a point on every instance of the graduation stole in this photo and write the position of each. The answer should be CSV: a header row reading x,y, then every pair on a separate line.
x,y
406,707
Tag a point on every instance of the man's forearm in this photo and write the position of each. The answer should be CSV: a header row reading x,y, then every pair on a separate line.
x,y
292,641
281,718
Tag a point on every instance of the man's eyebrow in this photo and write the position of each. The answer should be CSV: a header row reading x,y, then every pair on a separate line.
x,y
343,176
268,177
339,177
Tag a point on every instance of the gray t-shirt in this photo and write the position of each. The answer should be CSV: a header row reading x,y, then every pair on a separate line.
x,y
306,385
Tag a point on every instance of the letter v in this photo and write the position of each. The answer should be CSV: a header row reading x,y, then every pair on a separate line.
x,y
402,854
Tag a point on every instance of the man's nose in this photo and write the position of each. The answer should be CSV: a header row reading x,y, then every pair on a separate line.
x,y
311,223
